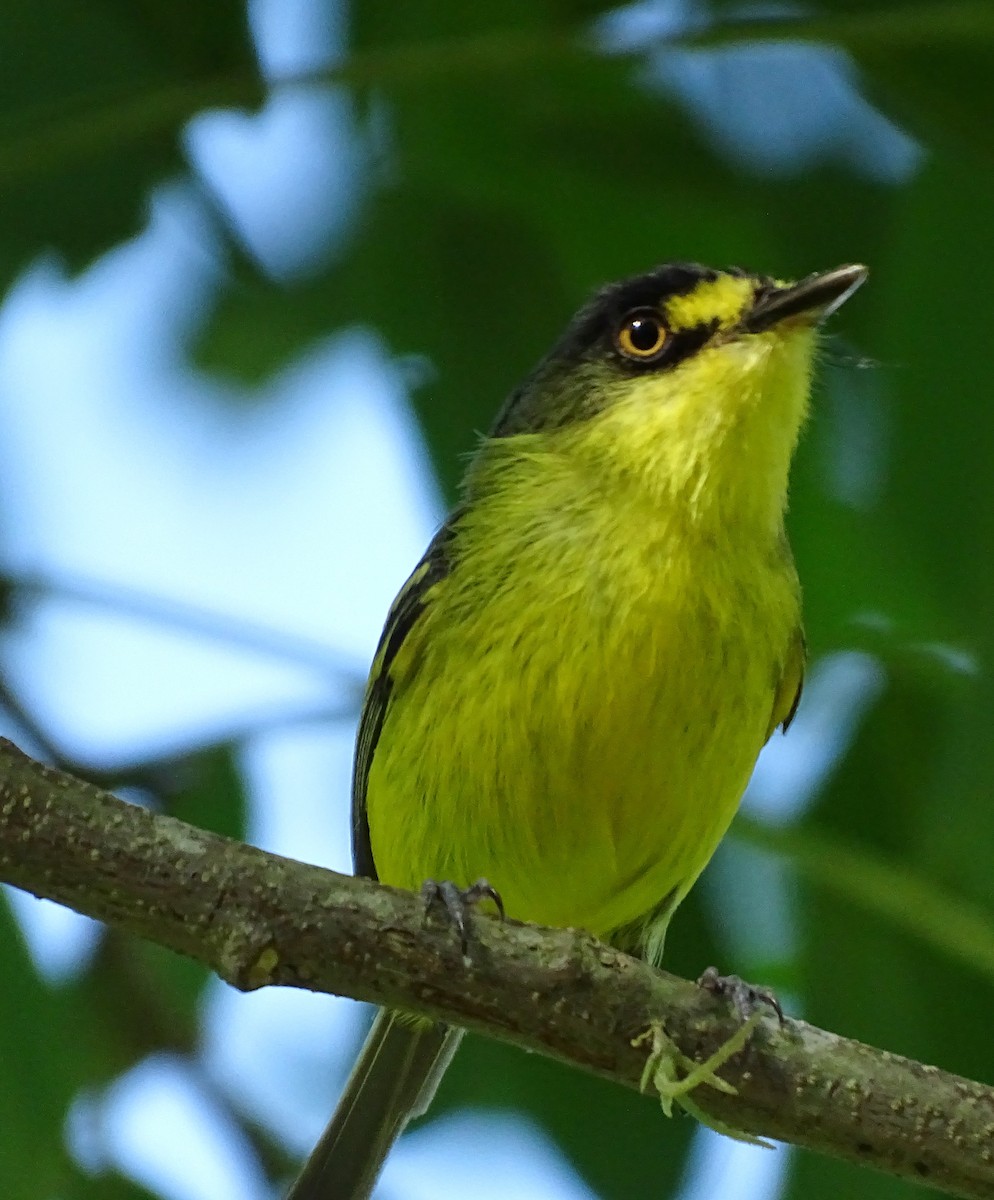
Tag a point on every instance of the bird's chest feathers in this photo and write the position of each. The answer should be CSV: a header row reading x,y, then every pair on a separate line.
x,y
625,603
615,684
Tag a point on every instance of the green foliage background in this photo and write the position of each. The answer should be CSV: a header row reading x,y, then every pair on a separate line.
x,y
509,167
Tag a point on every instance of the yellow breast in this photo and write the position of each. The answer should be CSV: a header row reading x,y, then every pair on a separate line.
x,y
577,722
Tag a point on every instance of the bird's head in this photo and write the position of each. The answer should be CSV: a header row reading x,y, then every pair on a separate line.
x,y
688,381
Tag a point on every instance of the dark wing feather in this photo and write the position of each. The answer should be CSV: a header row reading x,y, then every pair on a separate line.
x,y
404,612
787,693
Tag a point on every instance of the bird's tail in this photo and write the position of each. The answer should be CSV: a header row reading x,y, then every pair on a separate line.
x,y
394,1079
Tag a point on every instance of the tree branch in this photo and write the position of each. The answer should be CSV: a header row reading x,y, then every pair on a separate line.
x,y
259,919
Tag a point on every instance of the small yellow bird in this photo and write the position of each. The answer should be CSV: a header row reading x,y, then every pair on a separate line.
x,y
572,687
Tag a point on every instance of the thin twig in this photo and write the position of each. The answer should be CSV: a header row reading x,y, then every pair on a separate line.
x,y
189,618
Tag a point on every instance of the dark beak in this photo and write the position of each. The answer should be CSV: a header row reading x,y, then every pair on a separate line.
x,y
816,297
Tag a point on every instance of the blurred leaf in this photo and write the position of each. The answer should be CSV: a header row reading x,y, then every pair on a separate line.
x,y
138,999
207,789
378,23
105,1185
909,900
39,1071
92,102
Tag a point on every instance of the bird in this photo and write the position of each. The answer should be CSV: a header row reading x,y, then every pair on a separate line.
x,y
572,687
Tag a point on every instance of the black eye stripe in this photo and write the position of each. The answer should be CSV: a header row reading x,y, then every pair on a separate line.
x,y
674,350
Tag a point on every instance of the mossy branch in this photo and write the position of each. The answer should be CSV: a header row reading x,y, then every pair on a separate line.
x,y
258,919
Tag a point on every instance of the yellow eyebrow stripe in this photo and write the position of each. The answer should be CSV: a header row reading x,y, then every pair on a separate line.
x,y
724,300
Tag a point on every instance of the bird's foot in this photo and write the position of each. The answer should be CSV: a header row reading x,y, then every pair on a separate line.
x,y
458,901
673,1076
745,996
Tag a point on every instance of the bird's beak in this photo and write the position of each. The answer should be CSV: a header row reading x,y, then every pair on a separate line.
x,y
816,298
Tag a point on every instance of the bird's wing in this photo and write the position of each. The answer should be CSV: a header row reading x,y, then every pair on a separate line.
x,y
787,695
402,618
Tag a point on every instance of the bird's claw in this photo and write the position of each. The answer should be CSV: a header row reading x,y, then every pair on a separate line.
x,y
457,901
745,996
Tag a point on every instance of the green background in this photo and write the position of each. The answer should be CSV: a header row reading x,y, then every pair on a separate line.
x,y
508,167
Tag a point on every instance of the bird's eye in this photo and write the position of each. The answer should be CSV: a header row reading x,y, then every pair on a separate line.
x,y
641,335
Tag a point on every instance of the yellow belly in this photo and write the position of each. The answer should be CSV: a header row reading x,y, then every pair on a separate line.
x,y
583,751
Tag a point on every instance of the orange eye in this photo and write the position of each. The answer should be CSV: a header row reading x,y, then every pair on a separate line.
x,y
641,335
